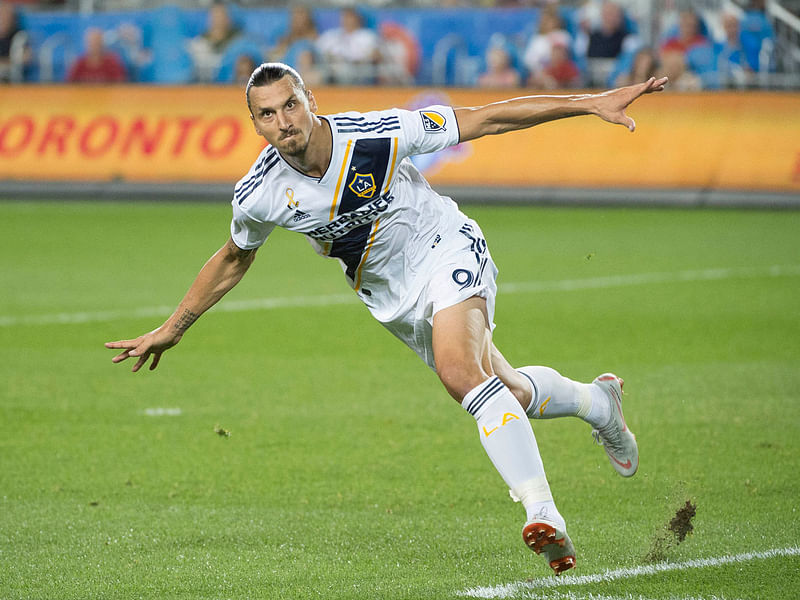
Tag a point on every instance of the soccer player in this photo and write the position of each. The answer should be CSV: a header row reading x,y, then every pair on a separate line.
x,y
419,264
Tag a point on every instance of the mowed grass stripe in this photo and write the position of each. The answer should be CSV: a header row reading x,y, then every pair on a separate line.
x,y
563,285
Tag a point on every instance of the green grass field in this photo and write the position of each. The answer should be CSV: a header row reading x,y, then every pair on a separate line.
x,y
348,472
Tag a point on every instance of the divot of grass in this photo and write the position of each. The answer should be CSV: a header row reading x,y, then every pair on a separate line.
x,y
673,532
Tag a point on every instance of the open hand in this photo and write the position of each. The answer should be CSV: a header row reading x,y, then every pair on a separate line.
x,y
147,345
611,105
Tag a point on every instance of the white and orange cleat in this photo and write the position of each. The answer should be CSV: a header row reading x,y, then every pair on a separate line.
x,y
547,537
615,437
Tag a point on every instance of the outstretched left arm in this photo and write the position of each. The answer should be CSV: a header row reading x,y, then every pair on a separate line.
x,y
527,111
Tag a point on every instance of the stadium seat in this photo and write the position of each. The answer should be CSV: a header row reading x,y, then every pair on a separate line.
x,y
295,49
55,56
171,61
702,59
243,46
758,41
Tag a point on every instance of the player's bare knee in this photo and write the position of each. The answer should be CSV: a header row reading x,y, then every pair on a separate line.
x,y
459,378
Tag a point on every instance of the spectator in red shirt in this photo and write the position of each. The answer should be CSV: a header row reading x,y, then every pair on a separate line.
x,y
688,35
97,65
561,72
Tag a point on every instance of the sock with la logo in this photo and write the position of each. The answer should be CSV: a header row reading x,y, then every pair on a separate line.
x,y
508,439
553,395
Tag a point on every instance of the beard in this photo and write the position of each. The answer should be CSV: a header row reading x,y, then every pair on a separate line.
x,y
293,144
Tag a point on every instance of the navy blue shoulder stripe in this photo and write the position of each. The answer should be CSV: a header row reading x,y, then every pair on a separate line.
x,y
361,119
378,129
245,190
360,124
264,159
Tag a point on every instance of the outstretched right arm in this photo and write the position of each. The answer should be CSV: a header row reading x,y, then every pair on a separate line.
x,y
218,276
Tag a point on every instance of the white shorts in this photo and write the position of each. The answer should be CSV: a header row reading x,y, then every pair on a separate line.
x,y
464,269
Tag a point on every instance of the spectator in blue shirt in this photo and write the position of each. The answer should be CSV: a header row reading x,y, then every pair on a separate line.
x,y
731,62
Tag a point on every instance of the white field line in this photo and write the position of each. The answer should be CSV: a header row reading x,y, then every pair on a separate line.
x,y
550,595
162,412
529,287
528,589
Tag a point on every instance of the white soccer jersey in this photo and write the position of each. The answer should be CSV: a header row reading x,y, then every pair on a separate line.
x,y
371,209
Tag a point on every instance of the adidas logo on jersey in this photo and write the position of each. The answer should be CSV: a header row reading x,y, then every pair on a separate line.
x,y
299,215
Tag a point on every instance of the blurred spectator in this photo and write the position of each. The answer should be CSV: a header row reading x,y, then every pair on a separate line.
x,y
643,67
207,49
302,28
399,55
500,72
9,27
242,69
606,42
308,65
135,56
97,64
731,62
758,37
551,32
350,51
560,72
681,78
688,35
9,30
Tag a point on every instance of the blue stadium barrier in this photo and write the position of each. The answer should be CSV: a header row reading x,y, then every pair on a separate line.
x,y
246,46
457,37
166,30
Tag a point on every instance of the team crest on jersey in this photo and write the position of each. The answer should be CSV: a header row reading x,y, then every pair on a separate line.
x,y
433,121
362,185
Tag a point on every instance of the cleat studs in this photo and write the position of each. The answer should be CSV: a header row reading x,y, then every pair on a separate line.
x,y
562,564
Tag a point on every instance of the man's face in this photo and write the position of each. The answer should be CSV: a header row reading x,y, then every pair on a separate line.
x,y
6,17
611,17
688,24
283,114
94,42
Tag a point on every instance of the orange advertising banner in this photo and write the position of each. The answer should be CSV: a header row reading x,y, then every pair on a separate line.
x,y
723,140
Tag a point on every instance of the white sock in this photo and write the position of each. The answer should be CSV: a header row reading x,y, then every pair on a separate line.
x,y
556,396
508,439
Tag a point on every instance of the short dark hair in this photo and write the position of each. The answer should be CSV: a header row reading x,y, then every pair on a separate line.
x,y
270,72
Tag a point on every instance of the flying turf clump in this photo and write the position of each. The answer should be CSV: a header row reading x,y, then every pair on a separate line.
x,y
674,533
